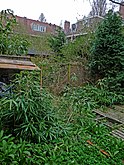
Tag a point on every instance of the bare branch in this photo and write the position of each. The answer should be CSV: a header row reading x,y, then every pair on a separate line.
x,y
117,2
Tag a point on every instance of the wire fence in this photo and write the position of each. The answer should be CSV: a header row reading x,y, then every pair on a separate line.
x,y
56,77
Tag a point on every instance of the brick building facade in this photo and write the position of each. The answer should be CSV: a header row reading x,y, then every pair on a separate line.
x,y
34,27
82,26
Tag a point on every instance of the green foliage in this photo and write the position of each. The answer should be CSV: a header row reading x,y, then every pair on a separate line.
x,y
10,43
75,149
107,52
17,45
55,130
29,112
39,44
21,153
57,41
77,49
75,110
113,84
89,97
72,149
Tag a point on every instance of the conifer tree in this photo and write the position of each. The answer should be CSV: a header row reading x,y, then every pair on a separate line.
x,y
107,51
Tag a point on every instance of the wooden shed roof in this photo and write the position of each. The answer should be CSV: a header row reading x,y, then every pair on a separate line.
x,y
17,62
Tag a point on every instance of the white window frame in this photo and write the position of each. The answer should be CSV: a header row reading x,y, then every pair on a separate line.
x,y
38,28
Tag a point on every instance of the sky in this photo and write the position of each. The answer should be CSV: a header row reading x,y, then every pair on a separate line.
x,y
55,11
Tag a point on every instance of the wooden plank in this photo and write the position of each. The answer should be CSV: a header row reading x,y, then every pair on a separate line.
x,y
120,108
120,132
117,134
19,67
19,62
15,57
112,119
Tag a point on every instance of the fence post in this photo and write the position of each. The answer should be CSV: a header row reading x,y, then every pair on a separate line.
x,y
69,72
41,79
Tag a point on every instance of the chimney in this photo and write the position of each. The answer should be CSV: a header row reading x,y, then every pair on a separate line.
x,y
121,10
66,27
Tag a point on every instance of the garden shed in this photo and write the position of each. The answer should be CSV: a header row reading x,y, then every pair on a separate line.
x,y
11,64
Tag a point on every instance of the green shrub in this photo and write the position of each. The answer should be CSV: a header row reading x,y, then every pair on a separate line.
x,y
112,83
78,49
107,48
107,52
10,43
57,41
29,112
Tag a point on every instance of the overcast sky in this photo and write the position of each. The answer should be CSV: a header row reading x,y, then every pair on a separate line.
x,y
55,11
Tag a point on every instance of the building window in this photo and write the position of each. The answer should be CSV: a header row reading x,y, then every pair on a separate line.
x,y
74,27
39,28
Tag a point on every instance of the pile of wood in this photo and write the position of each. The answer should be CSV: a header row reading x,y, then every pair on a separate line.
x,y
17,62
11,64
